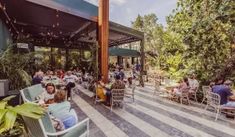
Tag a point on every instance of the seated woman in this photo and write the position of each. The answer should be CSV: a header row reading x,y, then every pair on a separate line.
x,y
47,97
61,110
101,88
183,86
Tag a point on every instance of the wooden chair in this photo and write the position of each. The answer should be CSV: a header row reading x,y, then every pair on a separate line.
x,y
117,97
213,100
131,94
44,128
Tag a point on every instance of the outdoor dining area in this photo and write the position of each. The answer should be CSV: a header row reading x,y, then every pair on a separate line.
x,y
75,73
113,98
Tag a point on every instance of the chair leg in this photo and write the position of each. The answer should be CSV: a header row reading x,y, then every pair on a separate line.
x,y
196,97
188,100
217,114
181,100
203,100
206,106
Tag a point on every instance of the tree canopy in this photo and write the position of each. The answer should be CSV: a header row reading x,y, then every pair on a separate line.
x,y
199,38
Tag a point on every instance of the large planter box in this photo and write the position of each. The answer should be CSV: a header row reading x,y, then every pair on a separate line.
x,y
4,87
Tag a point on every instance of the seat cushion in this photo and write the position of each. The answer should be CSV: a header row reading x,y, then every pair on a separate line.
x,y
47,123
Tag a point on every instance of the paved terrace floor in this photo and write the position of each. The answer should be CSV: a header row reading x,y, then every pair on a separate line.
x,y
150,116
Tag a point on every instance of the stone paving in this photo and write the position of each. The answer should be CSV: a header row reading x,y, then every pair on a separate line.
x,y
150,115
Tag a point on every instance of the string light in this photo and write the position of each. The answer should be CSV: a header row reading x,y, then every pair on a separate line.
x,y
53,25
57,24
14,20
60,32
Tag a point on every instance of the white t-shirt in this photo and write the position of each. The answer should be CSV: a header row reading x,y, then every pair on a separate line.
x,y
193,83
45,96
71,78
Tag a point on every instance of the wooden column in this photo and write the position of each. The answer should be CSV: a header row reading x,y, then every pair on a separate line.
x,y
103,35
142,62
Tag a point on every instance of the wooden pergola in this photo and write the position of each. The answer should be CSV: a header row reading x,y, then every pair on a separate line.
x,y
55,24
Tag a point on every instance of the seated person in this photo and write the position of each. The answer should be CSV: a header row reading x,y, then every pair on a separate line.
x,y
37,78
101,91
118,84
193,83
225,93
47,97
61,110
183,86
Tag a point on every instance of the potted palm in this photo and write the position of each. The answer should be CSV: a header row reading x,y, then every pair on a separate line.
x,y
11,123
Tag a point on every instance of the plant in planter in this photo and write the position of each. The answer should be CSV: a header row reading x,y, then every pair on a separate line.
x,y
13,67
11,123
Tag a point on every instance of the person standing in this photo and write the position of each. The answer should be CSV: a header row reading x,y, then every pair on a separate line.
x,y
70,80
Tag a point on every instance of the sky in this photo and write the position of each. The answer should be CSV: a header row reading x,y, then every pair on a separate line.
x,y
125,11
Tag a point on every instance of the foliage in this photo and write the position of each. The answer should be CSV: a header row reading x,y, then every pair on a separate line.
x,y
199,38
167,45
13,66
9,114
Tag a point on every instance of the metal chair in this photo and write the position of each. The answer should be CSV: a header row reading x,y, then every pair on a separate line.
x,y
43,127
213,100
194,94
184,95
205,90
157,89
131,94
117,97
30,94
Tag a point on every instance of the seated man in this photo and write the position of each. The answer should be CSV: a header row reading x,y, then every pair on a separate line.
x,y
118,84
225,93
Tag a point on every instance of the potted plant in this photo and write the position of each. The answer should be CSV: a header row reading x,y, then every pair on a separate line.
x,y
14,67
11,123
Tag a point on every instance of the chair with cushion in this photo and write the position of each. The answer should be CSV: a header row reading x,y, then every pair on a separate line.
x,y
44,128
117,97
30,94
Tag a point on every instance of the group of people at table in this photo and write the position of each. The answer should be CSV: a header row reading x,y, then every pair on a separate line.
x,y
58,86
219,86
54,97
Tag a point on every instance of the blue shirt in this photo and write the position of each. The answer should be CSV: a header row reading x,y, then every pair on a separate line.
x,y
223,91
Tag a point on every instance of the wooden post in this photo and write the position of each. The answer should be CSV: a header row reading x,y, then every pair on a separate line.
x,y
142,62
103,35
